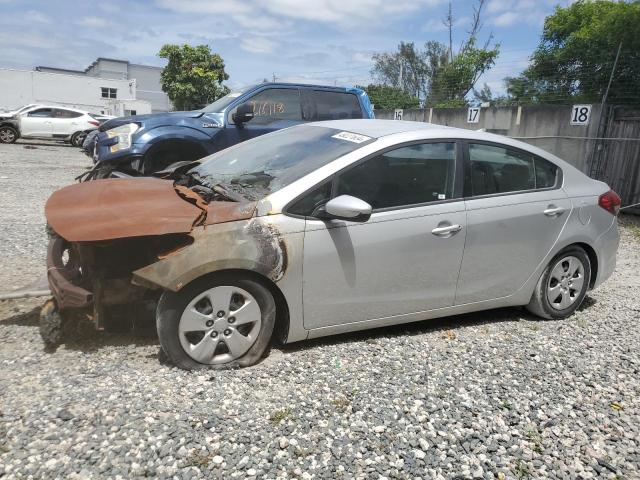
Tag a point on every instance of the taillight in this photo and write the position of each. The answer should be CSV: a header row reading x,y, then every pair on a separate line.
x,y
94,122
610,201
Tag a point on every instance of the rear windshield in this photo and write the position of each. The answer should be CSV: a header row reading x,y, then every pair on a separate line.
x,y
268,163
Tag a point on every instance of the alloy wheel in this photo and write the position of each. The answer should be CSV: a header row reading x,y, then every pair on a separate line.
x,y
565,283
7,135
219,325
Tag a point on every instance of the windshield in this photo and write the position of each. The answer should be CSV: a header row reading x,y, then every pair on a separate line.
x,y
261,166
223,102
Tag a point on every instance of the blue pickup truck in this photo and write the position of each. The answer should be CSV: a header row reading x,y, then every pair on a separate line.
x,y
147,144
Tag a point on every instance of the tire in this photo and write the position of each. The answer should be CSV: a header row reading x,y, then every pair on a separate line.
x,y
8,134
559,293
78,138
197,332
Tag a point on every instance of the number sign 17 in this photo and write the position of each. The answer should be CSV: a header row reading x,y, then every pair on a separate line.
x,y
473,115
580,114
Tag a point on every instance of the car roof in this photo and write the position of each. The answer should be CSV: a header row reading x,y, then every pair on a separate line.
x,y
379,128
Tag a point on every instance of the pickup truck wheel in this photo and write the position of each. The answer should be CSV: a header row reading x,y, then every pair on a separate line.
x,y
8,134
222,321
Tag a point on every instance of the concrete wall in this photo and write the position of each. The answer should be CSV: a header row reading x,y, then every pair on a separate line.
x,y
148,86
20,87
545,126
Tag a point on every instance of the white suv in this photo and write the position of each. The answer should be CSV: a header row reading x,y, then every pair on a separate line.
x,y
56,122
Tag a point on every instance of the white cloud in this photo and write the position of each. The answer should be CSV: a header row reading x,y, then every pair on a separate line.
x,y
506,19
36,17
94,22
258,44
207,6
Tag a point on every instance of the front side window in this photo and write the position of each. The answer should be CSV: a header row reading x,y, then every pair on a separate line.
x,y
496,170
275,104
41,113
336,105
405,176
265,164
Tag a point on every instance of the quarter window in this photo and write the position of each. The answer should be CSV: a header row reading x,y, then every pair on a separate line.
x,y
405,176
109,92
275,104
500,170
335,105
311,201
59,113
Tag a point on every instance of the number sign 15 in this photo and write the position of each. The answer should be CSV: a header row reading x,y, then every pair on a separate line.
x,y
580,114
473,115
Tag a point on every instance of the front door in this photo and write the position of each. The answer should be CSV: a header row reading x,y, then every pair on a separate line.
x,y
405,258
515,214
273,108
37,123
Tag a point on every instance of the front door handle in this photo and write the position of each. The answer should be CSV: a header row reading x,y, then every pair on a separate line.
x,y
553,211
443,231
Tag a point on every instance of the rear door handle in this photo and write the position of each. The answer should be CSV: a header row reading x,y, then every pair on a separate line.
x,y
553,211
443,231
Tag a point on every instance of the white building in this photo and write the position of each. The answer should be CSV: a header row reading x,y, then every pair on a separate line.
x,y
113,87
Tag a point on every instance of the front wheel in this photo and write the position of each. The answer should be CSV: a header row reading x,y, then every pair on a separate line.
x,y
78,138
221,321
8,134
563,285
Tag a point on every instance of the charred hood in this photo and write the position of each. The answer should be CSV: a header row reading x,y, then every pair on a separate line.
x,y
120,208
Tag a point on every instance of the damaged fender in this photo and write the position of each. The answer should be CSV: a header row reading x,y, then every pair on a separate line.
x,y
254,244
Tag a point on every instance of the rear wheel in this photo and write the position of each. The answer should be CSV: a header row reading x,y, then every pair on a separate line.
x,y
216,322
78,138
8,134
563,285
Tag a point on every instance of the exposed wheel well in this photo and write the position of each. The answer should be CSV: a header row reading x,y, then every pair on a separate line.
x,y
593,258
281,329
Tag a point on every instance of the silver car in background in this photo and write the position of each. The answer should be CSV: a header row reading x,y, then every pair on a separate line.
x,y
355,224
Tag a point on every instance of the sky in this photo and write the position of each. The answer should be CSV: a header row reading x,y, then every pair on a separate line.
x,y
319,41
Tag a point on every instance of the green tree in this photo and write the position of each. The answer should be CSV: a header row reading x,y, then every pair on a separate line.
x,y
436,74
385,97
576,54
193,77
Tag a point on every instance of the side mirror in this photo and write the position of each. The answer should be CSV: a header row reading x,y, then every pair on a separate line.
x,y
243,113
346,207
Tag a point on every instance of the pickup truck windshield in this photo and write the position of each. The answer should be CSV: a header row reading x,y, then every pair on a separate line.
x,y
261,166
223,102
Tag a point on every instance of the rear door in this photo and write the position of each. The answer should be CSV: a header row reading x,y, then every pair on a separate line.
x,y
515,213
66,122
405,258
37,123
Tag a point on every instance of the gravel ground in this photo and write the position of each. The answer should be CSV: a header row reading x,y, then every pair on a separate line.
x,y
497,394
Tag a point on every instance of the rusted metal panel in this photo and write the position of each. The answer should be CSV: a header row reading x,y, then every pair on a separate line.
x,y
121,208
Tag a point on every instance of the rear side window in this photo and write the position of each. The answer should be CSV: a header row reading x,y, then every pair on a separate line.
x,y
501,170
336,105
275,104
402,177
41,112
546,173
59,113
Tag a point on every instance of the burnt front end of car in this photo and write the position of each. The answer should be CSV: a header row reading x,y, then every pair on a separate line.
x,y
92,280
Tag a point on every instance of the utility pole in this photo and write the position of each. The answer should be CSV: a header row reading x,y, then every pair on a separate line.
x,y
274,77
400,79
613,70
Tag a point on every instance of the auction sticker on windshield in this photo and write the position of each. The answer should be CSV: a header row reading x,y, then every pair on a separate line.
x,y
351,137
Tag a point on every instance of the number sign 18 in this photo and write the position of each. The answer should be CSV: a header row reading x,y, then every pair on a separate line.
x,y
473,115
580,114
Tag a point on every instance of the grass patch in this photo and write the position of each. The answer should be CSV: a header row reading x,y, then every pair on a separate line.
x,y
635,232
536,441
522,470
279,415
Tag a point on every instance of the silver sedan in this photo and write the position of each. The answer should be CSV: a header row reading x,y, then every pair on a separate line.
x,y
347,225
